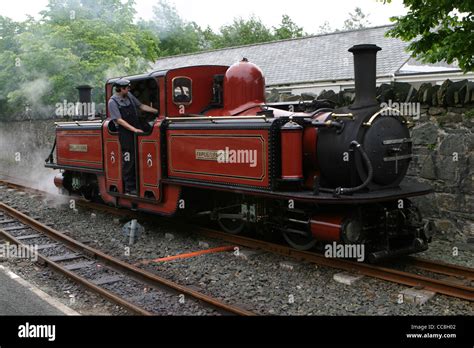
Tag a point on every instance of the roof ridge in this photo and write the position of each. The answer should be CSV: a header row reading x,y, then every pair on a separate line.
x,y
273,42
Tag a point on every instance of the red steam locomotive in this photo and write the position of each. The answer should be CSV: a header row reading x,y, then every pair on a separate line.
x,y
217,149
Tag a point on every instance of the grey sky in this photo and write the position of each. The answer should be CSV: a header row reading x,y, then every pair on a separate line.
x,y
309,14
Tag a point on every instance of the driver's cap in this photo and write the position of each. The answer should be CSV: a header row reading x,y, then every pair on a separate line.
x,y
122,83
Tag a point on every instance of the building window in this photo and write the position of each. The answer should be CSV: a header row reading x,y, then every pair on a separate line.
x,y
182,91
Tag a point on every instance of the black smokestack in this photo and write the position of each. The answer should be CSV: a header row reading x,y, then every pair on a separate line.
x,y
365,64
84,104
85,94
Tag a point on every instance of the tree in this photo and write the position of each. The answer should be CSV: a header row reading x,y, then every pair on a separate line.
x,y
356,20
114,12
439,30
9,30
325,28
75,42
287,29
209,38
175,34
243,32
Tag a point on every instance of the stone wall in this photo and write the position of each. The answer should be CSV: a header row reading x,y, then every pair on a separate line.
x,y
444,158
24,148
449,93
29,138
443,145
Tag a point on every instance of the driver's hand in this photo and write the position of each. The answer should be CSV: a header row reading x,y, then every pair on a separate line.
x,y
138,131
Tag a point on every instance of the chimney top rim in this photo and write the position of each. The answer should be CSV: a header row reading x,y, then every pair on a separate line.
x,y
364,47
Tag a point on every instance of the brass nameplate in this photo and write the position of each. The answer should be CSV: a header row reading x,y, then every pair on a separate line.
x,y
78,147
206,155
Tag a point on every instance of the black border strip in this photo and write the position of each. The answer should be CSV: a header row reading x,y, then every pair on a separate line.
x,y
307,196
74,168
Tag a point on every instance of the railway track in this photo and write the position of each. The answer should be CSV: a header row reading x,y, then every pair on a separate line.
x,y
95,270
441,268
446,287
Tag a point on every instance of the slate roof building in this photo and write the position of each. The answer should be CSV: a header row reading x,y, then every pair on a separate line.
x,y
318,62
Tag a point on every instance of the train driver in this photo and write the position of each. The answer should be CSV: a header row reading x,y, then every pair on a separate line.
x,y
123,109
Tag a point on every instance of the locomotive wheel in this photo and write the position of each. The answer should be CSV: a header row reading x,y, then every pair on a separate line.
x,y
300,242
231,226
89,194
230,219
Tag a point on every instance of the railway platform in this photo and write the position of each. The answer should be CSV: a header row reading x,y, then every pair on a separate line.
x,y
19,297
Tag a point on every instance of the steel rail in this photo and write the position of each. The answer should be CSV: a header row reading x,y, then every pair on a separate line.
x,y
80,201
117,265
80,280
441,267
384,273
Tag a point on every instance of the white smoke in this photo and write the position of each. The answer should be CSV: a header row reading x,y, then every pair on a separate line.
x,y
24,148
35,90
30,95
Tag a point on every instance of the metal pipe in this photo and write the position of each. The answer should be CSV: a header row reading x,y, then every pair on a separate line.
x,y
298,221
345,190
133,230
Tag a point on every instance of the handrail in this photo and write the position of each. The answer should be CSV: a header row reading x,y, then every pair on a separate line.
x,y
78,123
214,118
381,111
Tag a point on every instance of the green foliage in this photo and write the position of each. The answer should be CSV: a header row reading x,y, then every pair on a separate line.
x,y
288,29
8,32
208,38
356,20
243,32
439,30
116,13
325,28
76,42
176,36
252,31
469,114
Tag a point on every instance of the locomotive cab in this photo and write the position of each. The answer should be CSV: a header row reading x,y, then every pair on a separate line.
x,y
145,88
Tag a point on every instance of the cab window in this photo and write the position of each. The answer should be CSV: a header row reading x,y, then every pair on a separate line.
x,y
147,92
182,90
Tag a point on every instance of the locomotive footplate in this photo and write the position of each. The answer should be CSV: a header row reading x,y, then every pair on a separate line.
x,y
404,191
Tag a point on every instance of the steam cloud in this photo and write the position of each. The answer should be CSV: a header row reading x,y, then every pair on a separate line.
x,y
24,147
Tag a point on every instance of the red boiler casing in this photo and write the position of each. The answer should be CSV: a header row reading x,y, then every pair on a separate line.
x,y
291,152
